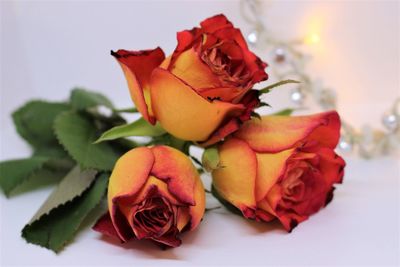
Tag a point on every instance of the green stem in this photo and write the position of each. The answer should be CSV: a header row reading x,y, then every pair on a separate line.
x,y
126,110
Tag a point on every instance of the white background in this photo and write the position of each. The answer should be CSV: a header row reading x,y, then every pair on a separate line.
x,y
49,47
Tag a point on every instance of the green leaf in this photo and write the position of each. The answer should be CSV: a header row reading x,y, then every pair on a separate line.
x,y
15,172
263,104
54,151
34,121
59,159
255,115
82,99
210,159
40,178
138,128
71,186
224,202
57,221
284,112
77,134
270,87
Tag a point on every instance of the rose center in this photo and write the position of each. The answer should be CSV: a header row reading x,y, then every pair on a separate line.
x,y
153,216
232,71
293,186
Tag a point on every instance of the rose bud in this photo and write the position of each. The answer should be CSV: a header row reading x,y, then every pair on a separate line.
x,y
281,167
154,193
202,92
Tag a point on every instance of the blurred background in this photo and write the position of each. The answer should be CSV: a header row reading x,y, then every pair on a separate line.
x,y
49,47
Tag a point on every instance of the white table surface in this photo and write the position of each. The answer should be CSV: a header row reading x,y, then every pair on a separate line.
x,y
49,47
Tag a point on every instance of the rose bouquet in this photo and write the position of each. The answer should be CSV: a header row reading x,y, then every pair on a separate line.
x,y
262,167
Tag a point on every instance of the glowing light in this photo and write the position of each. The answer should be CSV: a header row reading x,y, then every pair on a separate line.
x,y
312,39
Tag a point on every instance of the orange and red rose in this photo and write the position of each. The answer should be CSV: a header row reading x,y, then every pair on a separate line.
x,y
154,193
281,167
203,91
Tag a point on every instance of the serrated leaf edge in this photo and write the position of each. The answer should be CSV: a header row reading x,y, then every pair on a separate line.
x,y
60,206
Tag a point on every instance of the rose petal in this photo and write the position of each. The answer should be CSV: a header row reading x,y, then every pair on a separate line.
x,y
231,33
137,67
190,68
155,185
148,229
277,133
235,180
215,23
185,40
331,166
270,168
226,129
165,63
184,113
170,239
176,169
197,211
105,226
256,66
263,215
291,220
183,218
265,206
226,94
249,101
128,177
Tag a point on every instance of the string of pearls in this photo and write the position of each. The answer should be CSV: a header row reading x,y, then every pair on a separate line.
x,y
289,62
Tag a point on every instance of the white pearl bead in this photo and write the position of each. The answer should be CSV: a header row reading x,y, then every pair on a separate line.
x,y
280,55
252,37
345,146
297,96
390,121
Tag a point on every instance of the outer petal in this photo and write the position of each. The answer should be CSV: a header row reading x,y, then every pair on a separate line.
x,y
274,196
166,62
183,218
197,211
223,29
270,167
184,113
186,39
265,206
232,33
226,94
250,101
331,166
256,66
215,23
105,226
190,68
224,130
175,168
291,220
235,180
128,177
137,67
277,133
